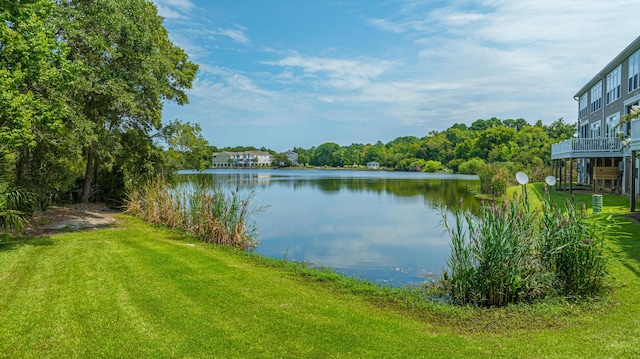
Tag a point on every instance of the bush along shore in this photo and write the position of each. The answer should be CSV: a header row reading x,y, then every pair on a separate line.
x,y
208,214
510,253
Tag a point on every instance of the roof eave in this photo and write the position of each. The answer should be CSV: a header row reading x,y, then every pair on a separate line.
x,y
628,51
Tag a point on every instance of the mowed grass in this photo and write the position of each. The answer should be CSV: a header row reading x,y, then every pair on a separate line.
x,y
141,291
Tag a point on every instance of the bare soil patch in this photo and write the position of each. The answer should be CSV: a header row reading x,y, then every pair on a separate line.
x,y
70,218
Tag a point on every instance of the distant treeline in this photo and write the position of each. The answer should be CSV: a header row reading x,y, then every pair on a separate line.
x,y
460,148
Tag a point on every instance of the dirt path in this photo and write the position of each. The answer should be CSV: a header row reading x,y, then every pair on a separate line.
x,y
72,218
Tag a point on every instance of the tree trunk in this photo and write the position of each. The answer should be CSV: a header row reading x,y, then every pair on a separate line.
x,y
86,187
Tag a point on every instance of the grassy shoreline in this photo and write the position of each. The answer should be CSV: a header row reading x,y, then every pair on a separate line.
x,y
141,290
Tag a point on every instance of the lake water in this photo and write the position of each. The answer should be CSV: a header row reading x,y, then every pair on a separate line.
x,y
381,226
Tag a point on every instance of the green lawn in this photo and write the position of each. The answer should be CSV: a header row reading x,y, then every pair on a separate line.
x,y
140,291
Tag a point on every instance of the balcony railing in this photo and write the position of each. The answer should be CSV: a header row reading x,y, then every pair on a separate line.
x,y
587,147
635,135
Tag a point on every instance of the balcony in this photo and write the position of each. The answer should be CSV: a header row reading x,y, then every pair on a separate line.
x,y
635,135
587,148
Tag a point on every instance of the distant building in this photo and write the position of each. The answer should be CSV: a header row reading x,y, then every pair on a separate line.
x,y
241,159
373,165
292,157
222,159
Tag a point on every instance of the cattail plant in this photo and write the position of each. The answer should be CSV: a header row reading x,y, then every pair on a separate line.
x,y
209,214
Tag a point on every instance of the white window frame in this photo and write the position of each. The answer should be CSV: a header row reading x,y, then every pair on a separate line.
x,y
596,97
614,78
595,130
612,125
634,71
584,131
583,110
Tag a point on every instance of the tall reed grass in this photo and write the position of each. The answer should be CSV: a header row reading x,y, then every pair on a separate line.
x,y
509,253
572,247
207,213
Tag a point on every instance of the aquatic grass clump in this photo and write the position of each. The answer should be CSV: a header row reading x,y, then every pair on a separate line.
x,y
510,254
572,247
492,261
209,214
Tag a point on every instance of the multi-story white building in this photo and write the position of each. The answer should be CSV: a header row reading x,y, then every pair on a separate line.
x,y
241,159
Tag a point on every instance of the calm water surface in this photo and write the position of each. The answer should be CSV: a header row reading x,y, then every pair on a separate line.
x,y
381,226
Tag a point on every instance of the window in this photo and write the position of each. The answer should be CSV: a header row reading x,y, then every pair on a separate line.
x,y
583,106
634,71
626,128
613,84
584,131
612,125
596,97
595,130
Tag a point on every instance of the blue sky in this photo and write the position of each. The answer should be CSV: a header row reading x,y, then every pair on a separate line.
x,y
285,73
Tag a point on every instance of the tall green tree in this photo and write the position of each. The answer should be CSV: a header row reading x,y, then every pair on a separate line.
x,y
185,141
559,130
327,154
31,62
375,153
304,156
128,68
37,125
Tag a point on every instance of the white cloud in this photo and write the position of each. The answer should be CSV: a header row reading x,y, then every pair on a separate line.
x,y
182,4
174,9
505,58
345,74
168,13
236,34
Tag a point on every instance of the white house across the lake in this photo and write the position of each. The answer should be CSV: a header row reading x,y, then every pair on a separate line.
x,y
373,165
241,159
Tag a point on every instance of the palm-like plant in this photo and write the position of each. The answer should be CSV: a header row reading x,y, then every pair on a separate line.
x,y
14,202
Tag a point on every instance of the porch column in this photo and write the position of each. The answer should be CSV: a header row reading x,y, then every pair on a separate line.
x,y
561,174
564,186
633,181
571,175
553,170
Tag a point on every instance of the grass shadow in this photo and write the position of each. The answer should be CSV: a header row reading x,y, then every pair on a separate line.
x,y
8,243
624,236
628,242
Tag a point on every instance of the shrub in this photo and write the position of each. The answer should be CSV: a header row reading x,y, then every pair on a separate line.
x,y
411,164
510,254
471,166
432,166
491,260
572,249
15,203
494,179
206,213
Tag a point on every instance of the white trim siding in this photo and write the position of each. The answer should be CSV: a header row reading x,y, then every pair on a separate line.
x,y
613,84
596,97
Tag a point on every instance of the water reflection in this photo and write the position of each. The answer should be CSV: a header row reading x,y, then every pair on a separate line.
x,y
382,226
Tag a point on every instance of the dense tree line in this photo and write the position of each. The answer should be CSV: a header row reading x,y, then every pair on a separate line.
x,y
460,148
82,85
493,149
